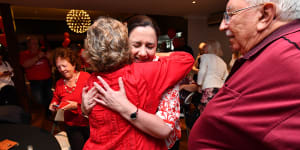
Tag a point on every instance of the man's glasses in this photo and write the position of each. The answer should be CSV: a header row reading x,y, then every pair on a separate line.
x,y
228,15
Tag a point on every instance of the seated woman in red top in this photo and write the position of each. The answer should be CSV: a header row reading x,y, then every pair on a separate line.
x,y
108,52
67,96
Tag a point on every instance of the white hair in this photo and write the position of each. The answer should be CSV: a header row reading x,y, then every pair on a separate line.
x,y
214,47
286,9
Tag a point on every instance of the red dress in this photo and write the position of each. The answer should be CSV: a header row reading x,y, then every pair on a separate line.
x,y
144,84
73,117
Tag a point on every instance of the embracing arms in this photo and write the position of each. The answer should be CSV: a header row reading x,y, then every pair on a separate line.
x,y
118,101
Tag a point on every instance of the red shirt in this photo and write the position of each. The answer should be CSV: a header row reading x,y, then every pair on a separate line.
x,y
144,84
258,106
73,117
40,70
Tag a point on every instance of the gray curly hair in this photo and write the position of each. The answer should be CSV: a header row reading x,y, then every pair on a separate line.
x,y
107,45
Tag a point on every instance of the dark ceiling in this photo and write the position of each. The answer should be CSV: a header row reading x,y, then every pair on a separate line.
x,y
58,8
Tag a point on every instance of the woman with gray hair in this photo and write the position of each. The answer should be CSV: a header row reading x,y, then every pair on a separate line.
x,y
108,53
212,71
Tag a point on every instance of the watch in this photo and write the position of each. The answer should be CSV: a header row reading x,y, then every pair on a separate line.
x,y
133,116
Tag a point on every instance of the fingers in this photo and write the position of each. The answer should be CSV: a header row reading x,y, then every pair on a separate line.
x,y
121,84
93,104
72,103
106,86
92,91
70,106
84,89
100,101
52,107
99,88
65,107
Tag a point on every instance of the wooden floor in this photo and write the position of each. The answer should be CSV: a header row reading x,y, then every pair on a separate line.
x,y
39,120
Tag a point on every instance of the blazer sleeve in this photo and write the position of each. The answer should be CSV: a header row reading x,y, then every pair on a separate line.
x,y
166,72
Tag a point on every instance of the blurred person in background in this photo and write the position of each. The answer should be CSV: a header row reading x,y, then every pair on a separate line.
x,y
38,72
180,44
67,96
198,60
212,71
8,93
234,56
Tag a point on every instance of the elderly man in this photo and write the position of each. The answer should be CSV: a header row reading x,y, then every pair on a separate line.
x,y
259,105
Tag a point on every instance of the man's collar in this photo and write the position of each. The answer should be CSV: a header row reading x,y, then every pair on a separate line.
x,y
283,30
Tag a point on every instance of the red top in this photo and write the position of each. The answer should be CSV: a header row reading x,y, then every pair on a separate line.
x,y
258,106
61,96
40,70
144,84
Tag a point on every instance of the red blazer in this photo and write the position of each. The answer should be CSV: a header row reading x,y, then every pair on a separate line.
x,y
259,105
144,84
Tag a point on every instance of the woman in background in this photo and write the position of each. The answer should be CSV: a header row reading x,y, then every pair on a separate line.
x,y
67,96
198,60
212,71
234,56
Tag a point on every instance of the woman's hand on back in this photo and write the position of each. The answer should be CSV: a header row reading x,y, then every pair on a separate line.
x,y
115,100
88,101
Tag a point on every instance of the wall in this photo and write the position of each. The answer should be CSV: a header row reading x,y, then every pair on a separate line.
x,y
52,30
199,30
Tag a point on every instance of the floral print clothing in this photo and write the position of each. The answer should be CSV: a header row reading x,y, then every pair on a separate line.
x,y
208,94
169,111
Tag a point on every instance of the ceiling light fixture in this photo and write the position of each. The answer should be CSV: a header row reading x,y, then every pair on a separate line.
x,y
78,20
194,2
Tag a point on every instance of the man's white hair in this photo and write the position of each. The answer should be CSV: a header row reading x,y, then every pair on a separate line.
x,y
286,9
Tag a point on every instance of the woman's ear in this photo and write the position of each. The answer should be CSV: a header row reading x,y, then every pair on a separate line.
x,y
268,14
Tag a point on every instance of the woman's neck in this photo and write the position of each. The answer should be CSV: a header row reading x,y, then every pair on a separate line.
x,y
72,80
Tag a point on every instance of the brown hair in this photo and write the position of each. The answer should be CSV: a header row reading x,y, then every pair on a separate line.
x,y
142,21
68,55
